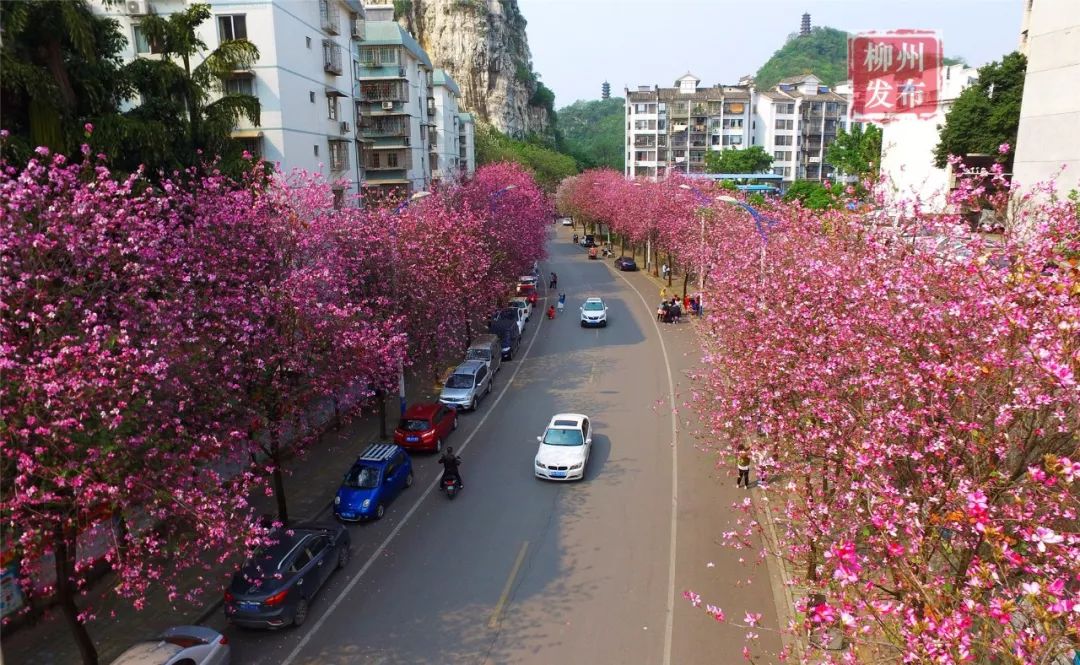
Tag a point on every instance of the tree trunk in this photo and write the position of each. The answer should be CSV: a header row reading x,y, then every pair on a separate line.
x,y
279,480
65,594
685,281
382,413
337,412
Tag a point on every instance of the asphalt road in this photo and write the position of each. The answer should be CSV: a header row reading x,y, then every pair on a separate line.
x,y
518,570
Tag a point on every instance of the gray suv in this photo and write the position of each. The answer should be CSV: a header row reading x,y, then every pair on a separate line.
x,y
464,388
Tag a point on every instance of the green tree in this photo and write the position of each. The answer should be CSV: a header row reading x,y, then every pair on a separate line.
x,y
593,132
812,194
62,68
748,160
987,113
822,53
190,101
547,165
857,152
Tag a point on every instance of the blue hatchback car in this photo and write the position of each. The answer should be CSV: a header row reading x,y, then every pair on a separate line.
x,y
381,472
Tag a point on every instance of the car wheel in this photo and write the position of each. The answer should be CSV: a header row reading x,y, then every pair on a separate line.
x,y
472,406
582,324
300,615
438,442
488,391
343,557
453,427
380,510
603,324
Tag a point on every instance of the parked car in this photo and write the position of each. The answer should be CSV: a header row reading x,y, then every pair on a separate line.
x,y
528,279
594,313
514,314
425,426
182,645
566,221
588,240
564,448
275,585
528,291
375,479
626,263
522,303
486,348
509,336
469,383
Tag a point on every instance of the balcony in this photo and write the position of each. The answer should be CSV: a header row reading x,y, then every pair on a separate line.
x,y
639,143
383,126
331,57
431,106
357,27
384,91
329,16
400,160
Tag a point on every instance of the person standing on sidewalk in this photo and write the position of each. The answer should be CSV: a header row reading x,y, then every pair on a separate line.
x,y
743,464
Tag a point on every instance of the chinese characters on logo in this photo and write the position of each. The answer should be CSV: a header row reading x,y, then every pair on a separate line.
x,y
894,73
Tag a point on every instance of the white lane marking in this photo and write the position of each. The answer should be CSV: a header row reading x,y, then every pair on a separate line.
x,y
496,615
669,625
435,483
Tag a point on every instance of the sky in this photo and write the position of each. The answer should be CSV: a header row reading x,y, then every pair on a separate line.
x,y
578,44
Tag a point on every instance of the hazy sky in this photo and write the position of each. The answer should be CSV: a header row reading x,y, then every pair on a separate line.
x,y
577,44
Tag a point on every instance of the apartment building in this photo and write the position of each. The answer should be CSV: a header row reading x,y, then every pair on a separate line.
x,y
467,143
395,104
795,122
301,78
444,148
672,129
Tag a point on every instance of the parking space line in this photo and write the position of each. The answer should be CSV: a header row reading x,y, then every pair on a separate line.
x,y
288,660
496,615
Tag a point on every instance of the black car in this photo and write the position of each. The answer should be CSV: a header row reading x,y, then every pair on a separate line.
x,y
508,333
277,582
588,240
626,263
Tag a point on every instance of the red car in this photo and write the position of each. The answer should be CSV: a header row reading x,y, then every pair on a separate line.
x,y
528,291
425,427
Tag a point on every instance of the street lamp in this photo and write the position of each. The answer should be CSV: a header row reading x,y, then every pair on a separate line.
x,y
701,245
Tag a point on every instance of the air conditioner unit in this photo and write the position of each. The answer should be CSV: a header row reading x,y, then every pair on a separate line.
x,y
344,127
388,106
137,7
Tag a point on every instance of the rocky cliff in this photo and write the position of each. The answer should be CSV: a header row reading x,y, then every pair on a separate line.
x,y
482,44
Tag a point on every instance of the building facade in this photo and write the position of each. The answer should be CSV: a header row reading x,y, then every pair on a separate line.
x,y
672,129
395,104
1047,139
907,148
302,76
467,143
444,146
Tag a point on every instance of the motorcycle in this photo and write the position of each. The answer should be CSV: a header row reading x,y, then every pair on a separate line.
x,y
451,486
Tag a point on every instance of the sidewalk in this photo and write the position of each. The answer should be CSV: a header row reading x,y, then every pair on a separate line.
x,y
310,485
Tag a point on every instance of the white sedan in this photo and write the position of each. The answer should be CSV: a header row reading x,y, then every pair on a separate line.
x,y
522,304
566,221
564,448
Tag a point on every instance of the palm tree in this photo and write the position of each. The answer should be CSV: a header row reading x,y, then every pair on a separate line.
x,y
171,88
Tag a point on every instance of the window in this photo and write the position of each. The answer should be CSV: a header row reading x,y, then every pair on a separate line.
x,y
142,44
233,26
307,41
339,155
782,140
733,123
332,107
782,155
252,145
732,139
240,85
316,150
311,96
392,159
302,559
378,56
785,124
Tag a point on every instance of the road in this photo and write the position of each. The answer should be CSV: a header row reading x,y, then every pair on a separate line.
x,y
518,570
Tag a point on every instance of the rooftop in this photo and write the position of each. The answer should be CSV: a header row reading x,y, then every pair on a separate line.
x,y
388,33
440,77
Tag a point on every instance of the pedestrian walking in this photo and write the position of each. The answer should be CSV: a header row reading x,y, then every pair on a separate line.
x,y
665,270
663,293
575,238
562,302
554,281
743,464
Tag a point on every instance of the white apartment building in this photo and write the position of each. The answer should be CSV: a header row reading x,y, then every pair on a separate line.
x,y
301,78
672,129
796,122
395,104
1048,139
444,145
907,148
467,143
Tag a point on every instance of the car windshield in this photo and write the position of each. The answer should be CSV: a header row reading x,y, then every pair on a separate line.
x,y
526,288
478,354
594,306
414,425
520,304
510,314
562,437
363,477
460,381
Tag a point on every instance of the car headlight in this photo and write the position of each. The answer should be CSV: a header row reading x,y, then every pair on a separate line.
x,y
539,465
575,466
367,502
337,500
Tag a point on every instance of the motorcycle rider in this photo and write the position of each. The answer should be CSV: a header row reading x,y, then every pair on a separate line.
x,y
450,463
